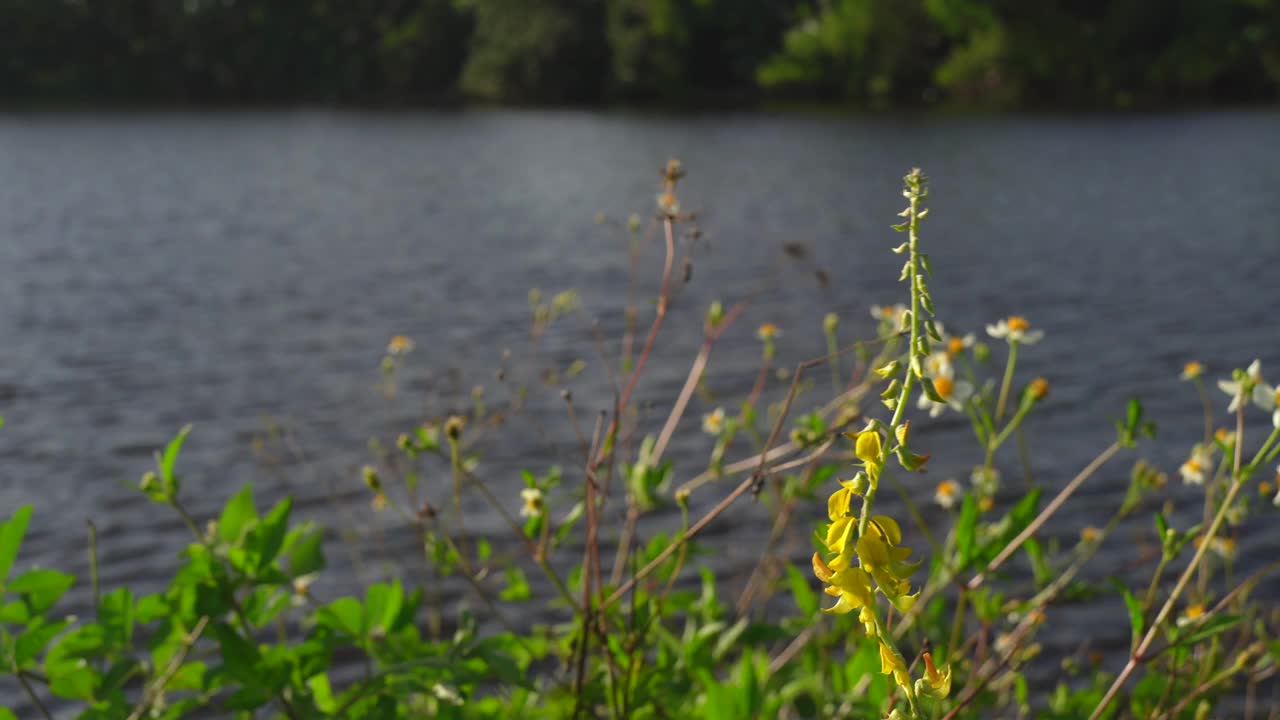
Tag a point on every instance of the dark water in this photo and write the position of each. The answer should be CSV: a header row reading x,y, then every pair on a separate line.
x,y
224,270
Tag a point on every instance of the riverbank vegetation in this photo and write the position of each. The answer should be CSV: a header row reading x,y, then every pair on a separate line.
x,y
877,53
592,599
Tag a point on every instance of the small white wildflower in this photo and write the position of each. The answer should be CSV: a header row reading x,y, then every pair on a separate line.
x,y
713,422
1015,328
1195,469
947,493
1238,388
533,502
954,394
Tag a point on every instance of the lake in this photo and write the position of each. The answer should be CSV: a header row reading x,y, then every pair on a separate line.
x,y
244,271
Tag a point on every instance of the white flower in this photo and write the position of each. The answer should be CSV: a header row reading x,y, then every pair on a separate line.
x,y
1237,388
893,315
713,422
988,481
533,500
954,394
938,364
1267,397
1196,467
947,493
1016,329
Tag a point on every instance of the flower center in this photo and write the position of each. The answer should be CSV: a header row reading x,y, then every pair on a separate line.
x,y
944,385
955,346
1017,323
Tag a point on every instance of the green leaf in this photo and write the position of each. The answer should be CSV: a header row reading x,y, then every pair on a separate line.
x,y
382,605
37,637
42,587
7,714
115,614
11,534
268,536
517,585
966,530
240,658
1211,627
322,693
806,599
307,555
238,514
166,462
151,608
1136,621
76,680
346,615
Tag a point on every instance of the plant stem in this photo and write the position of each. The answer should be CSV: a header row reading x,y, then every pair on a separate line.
x,y
1008,379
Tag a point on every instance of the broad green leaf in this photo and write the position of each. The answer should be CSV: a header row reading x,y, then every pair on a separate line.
x,y
322,693
76,680
38,635
240,658
382,605
42,587
517,585
268,536
115,613
237,516
346,615
11,534
307,555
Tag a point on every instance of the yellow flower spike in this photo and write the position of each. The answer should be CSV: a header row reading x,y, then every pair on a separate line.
x,y
867,447
891,663
935,683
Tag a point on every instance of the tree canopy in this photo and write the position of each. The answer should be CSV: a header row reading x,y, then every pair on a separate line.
x,y
1003,53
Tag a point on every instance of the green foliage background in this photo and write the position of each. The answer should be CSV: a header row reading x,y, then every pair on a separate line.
x,y
1002,53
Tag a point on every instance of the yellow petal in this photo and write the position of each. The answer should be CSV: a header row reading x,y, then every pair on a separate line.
x,y
867,447
838,503
888,527
821,570
838,534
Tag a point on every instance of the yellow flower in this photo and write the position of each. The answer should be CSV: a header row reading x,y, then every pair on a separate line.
x,y
867,446
768,331
947,493
1039,389
533,502
891,663
399,345
1090,534
935,683
879,554
838,505
852,590
379,501
986,503
1192,370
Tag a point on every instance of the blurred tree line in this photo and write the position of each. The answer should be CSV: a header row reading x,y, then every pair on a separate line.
x,y
868,52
